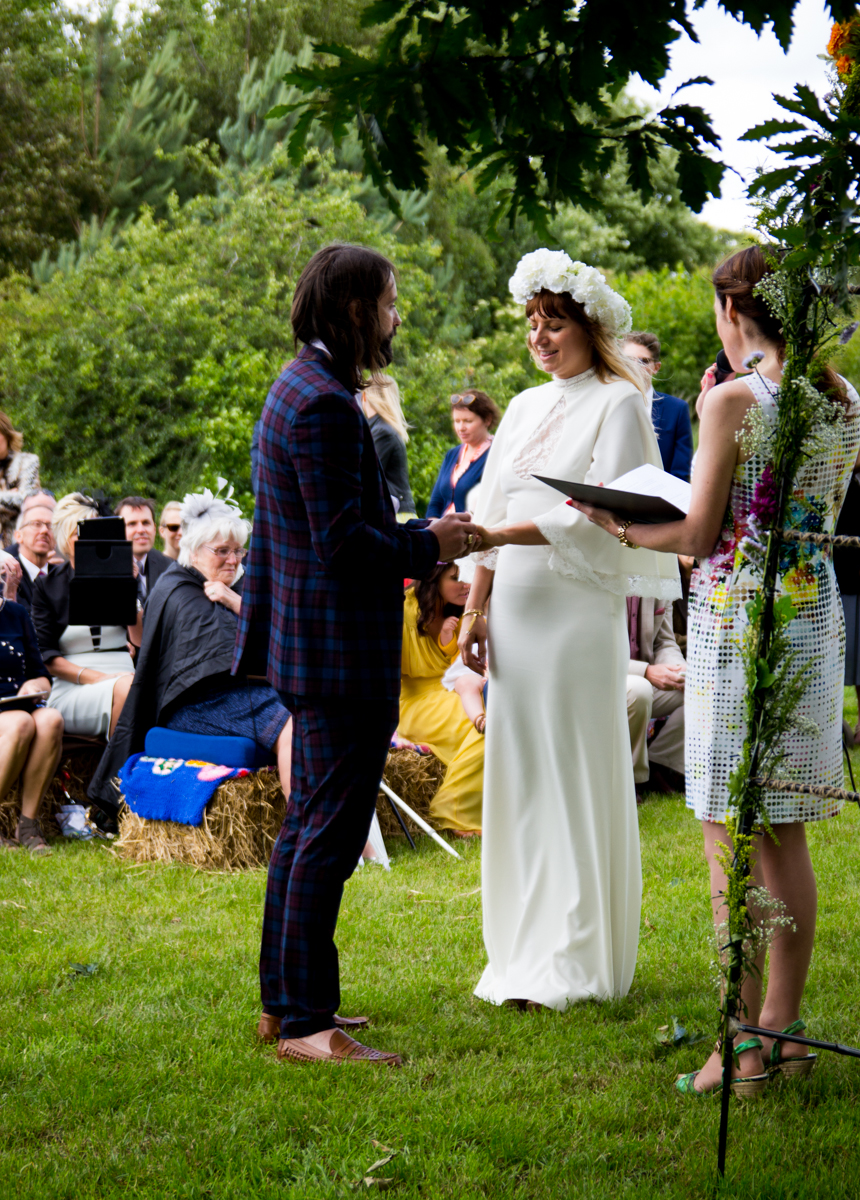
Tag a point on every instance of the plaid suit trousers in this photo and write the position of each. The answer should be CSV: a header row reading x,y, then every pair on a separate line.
x,y
339,751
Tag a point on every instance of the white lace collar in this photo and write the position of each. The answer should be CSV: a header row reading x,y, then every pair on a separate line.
x,y
576,381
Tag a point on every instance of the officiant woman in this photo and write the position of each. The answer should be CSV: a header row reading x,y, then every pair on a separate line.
x,y
561,868
732,490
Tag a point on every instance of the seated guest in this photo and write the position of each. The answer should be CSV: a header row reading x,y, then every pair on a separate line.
x,y
34,538
430,714
19,477
183,678
139,516
30,742
655,689
670,415
90,664
170,529
474,416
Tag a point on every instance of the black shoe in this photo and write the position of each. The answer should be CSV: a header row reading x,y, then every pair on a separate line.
x,y
105,822
665,780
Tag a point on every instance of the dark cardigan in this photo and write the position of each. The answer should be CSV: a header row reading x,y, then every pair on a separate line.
x,y
444,494
187,638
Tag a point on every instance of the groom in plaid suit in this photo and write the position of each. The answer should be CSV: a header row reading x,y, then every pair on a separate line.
x,y
322,618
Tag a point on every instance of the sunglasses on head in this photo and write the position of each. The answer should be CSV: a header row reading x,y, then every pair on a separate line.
x,y
464,401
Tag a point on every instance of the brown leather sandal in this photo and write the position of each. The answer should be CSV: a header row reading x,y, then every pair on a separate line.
x,y
269,1028
29,835
342,1049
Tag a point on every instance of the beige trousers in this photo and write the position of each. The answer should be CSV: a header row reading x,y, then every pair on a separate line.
x,y
644,701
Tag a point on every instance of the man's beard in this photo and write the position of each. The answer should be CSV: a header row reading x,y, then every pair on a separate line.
x,y
386,350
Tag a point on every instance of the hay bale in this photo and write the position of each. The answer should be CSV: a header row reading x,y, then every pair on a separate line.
x,y
415,778
242,820
239,828
74,773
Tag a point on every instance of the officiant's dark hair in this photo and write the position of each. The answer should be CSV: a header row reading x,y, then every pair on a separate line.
x,y
737,277
606,356
332,280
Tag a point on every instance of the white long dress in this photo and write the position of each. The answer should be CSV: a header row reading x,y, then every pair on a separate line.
x,y
561,869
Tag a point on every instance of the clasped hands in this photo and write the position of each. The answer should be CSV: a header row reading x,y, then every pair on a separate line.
x,y
457,534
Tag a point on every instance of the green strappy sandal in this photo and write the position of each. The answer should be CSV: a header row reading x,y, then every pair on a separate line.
x,y
794,1066
750,1085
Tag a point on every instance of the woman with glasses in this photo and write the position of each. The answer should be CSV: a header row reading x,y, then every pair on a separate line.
x,y
474,416
182,680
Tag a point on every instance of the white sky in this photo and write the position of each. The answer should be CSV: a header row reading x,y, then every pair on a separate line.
x,y
747,71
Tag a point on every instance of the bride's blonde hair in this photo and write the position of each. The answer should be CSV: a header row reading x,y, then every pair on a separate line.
x,y
606,355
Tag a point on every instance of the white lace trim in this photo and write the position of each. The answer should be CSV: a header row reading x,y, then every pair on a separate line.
x,y
486,558
575,382
573,564
540,447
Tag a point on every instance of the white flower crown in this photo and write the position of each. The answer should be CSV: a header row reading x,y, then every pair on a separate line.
x,y
556,271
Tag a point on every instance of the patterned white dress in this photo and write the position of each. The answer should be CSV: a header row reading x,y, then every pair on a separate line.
x,y
719,590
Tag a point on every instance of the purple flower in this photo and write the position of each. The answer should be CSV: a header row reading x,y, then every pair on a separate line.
x,y
765,502
847,333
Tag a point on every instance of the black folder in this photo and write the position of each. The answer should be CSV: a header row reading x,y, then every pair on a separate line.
x,y
629,506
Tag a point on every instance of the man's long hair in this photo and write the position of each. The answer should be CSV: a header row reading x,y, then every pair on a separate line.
x,y
334,278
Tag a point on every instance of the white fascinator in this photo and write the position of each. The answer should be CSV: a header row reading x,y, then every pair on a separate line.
x,y
210,507
556,271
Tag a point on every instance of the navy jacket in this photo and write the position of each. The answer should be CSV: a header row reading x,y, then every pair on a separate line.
x,y
443,494
322,608
671,419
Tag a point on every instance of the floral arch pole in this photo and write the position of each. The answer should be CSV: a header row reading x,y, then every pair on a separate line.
x,y
810,217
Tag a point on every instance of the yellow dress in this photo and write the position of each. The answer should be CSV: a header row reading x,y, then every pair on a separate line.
x,y
434,716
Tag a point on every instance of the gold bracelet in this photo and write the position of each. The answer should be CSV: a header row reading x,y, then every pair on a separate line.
x,y
473,612
622,535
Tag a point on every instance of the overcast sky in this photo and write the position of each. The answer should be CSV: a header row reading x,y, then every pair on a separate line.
x,y
747,71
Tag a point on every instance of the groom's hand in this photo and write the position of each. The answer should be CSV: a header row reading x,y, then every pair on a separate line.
x,y
457,535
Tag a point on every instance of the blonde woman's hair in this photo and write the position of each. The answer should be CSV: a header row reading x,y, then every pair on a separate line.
x,y
607,356
69,511
170,506
386,401
14,439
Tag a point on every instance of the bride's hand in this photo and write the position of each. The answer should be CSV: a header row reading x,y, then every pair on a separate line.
x,y
473,631
490,538
599,516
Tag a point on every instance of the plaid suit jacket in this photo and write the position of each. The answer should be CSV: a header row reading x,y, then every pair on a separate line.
x,y
322,607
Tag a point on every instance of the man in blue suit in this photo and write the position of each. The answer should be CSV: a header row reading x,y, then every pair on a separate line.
x,y
670,415
322,619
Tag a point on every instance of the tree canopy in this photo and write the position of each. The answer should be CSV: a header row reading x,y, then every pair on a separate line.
x,y
521,90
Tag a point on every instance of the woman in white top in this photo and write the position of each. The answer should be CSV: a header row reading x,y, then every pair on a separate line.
x,y
90,664
561,868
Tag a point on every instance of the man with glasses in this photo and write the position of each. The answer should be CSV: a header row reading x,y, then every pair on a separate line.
x,y
170,529
670,415
34,538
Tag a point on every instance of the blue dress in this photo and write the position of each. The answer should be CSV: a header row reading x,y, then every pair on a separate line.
x,y
20,658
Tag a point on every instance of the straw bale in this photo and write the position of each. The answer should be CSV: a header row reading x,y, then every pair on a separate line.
x,y
241,821
74,772
416,779
239,828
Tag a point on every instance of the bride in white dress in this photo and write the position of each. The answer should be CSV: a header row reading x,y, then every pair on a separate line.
x,y
561,868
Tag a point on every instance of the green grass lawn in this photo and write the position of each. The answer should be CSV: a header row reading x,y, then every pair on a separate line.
x,y
144,1079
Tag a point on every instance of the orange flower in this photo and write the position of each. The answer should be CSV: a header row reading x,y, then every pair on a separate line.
x,y
844,65
838,39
